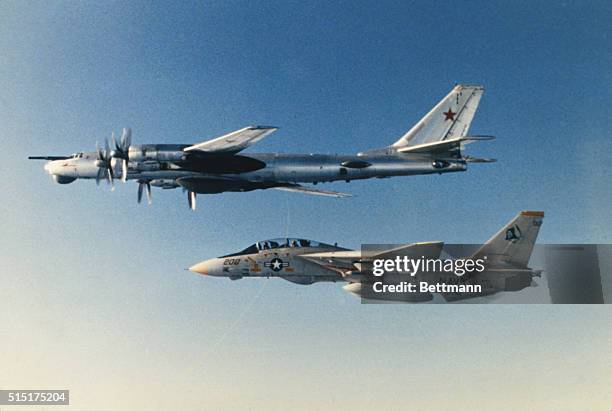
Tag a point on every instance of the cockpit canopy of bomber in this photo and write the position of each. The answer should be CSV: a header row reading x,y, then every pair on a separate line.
x,y
276,243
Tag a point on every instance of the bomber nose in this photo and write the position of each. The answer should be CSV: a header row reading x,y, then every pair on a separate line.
x,y
59,167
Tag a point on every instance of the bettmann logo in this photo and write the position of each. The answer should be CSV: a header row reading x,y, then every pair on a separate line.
x,y
276,264
513,234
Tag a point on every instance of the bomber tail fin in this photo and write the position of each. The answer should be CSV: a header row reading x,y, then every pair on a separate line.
x,y
449,119
444,130
513,244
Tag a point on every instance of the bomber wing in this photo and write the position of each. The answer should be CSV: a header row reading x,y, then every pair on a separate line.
x,y
310,190
233,142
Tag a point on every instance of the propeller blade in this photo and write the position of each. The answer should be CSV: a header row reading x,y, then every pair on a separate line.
x,y
148,186
99,176
140,187
124,170
126,139
99,151
109,171
191,198
113,142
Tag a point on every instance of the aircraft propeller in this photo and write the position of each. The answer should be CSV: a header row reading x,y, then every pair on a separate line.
x,y
191,198
144,186
122,150
104,163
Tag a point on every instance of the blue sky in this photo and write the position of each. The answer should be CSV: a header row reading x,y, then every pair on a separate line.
x,y
95,281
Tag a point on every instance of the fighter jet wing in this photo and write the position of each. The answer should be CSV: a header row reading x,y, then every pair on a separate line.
x,y
349,262
341,262
310,190
233,142
430,249
346,259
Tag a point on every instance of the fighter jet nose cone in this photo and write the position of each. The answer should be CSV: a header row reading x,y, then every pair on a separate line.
x,y
200,268
353,288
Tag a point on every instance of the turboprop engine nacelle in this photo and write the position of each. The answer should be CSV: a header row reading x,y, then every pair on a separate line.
x,y
152,152
148,166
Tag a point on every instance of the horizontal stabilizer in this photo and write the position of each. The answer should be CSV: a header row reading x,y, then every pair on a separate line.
x,y
471,139
313,191
443,145
471,159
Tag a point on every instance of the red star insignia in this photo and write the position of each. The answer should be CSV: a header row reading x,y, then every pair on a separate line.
x,y
449,115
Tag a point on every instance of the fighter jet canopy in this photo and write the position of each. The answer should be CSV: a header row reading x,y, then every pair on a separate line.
x,y
281,243
290,243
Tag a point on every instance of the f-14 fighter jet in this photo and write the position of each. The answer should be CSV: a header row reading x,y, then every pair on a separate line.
x,y
433,145
505,258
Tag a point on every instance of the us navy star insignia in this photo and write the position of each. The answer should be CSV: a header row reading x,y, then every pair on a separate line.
x,y
276,264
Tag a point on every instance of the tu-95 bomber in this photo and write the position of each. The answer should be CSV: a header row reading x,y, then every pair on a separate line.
x,y
432,145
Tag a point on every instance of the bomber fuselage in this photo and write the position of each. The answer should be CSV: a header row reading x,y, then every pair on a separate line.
x,y
251,171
